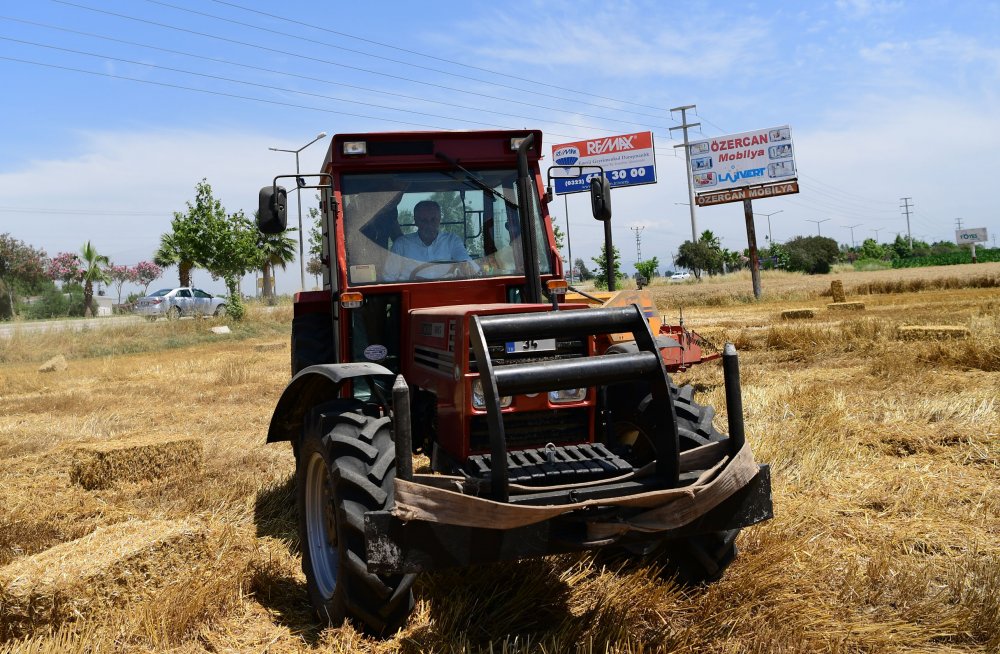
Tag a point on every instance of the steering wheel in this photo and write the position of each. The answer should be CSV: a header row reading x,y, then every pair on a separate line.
x,y
451,273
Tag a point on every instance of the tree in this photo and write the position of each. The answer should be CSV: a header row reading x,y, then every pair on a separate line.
x,y
22,269
812,254
65,268
699,257
775,256
92,266
872,250
648,268
119,275
582,270
601,268
145,272
275,250
224,244
172,252
315,264
559,236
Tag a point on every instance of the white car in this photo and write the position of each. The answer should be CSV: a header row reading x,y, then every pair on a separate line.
x,y
677,276
177,302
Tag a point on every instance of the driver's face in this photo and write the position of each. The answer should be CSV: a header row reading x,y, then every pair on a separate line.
x,y
428,219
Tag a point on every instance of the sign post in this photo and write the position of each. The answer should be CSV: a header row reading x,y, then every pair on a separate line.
x,y
971,236
752,241
745,166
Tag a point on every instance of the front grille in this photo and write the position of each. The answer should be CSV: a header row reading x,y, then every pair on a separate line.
x,y
535,428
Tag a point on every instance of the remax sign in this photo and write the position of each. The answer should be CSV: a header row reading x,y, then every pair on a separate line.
x,y
627,160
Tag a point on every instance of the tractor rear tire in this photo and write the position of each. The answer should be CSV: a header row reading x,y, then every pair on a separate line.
x,y
695,559
345,468
312,340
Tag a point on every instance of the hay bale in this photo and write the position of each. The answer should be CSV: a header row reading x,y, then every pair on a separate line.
x,y
55,364
937,332
837,291
114,566
104,464
846,306
794,314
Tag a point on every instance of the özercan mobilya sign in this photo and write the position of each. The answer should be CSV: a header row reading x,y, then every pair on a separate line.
x,y
764,156
977,235
627,160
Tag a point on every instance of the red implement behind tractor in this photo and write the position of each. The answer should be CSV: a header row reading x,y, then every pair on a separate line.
x,y
443,328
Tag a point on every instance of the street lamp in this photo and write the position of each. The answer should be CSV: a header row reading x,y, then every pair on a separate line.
x,y
768,216
298,191
818,223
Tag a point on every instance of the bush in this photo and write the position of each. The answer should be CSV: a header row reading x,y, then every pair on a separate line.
x,y
812,254
52,304
862,265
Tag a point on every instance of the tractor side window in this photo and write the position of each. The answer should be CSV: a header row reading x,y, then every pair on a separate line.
x,y
374,336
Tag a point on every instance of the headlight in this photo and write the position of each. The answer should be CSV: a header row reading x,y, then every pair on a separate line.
x,y
568,395
479,399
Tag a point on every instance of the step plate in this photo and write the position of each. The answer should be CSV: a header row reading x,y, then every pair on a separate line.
x,y
554,465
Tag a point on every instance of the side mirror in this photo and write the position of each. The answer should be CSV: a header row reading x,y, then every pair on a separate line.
x,y
600,197
272,210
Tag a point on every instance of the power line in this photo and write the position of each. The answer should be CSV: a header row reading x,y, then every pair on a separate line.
x,y
429,56
276,88
319,60
310,78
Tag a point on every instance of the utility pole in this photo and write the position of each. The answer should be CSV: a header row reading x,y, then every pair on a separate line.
x,y
906,209
818,223
958,221
854,243
768,216
638,241
687,162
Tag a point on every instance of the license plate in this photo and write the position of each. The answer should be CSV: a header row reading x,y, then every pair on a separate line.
x,y
537,345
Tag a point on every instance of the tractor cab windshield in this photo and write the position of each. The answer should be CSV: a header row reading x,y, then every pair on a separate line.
x,y
427,226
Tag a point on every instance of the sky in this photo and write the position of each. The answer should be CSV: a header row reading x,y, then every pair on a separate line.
x,y
115,109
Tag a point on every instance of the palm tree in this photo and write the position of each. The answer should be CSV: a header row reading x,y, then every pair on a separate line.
x,y
278,250
169,254
93,265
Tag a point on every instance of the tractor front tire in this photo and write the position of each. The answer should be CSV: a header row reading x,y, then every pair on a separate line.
x,y
345,467
695,559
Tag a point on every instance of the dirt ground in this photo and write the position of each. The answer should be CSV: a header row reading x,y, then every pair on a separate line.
x,y
884,455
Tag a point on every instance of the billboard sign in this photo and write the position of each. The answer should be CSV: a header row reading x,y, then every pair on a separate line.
x,y
965,236
749,193
627,160
765,156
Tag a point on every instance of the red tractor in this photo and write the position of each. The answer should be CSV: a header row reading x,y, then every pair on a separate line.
x,y
443,328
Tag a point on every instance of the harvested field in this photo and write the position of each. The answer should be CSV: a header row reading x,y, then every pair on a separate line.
x,y
885,458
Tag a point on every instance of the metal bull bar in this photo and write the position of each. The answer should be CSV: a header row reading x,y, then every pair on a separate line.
x,y
517,379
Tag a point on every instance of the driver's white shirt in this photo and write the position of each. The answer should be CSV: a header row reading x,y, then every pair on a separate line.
x,y
408,252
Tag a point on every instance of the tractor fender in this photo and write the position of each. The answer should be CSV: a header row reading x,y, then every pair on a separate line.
x,y
310,387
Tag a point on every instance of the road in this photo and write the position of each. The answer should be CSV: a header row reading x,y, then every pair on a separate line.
x,y
8,329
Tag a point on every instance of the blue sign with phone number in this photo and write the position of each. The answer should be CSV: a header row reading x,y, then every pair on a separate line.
x,y
620,177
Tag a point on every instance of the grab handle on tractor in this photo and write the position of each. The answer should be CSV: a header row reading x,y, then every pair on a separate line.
x,y
516,379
